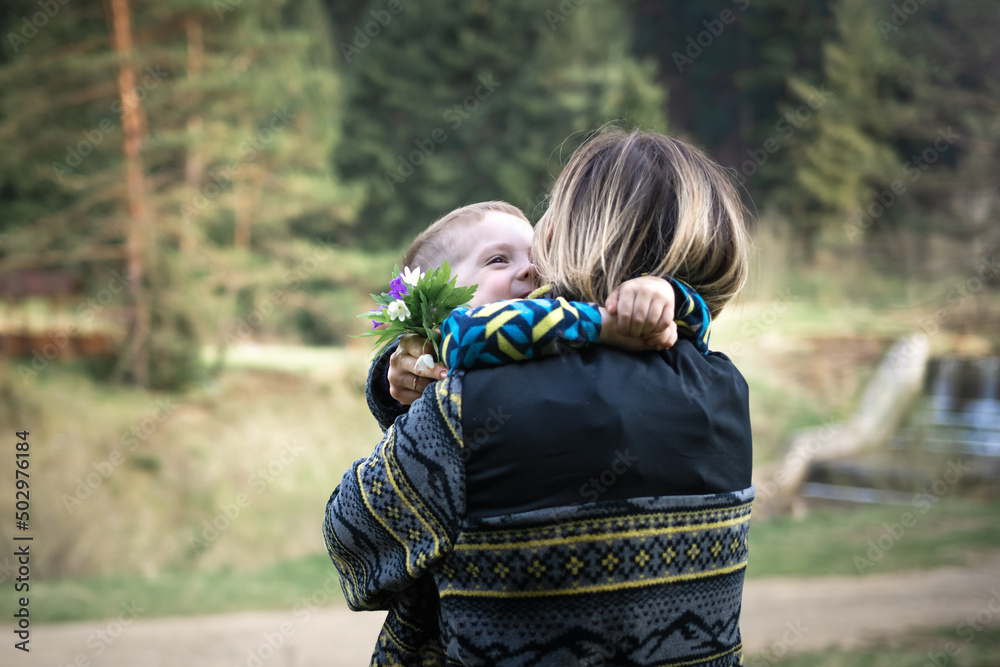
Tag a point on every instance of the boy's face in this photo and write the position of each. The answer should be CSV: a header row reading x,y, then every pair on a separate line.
x,y
494,254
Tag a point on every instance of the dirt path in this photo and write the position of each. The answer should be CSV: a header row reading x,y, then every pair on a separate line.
x,y
779,615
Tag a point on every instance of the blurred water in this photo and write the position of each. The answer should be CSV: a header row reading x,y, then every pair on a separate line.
x,y
960,412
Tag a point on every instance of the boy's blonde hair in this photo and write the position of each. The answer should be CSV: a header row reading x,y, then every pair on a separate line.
x,y
634,203
437,243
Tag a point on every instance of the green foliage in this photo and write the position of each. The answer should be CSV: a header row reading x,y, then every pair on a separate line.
x,y
915,648
176,338
845,149
459,102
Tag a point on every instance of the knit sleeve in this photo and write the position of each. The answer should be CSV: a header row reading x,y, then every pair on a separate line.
x,y
515,330
398,511
381,404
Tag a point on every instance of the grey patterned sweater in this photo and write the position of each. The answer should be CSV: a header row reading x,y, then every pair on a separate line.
x,y
615,533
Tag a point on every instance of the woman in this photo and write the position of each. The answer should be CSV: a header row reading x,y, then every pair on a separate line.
x,y
585,507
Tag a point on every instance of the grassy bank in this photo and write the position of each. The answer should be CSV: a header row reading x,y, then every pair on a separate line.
x,y
935,648
951,533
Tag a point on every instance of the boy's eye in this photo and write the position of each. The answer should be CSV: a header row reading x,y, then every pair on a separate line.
x,y
497,259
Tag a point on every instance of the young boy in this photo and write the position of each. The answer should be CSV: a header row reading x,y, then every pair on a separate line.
x,y
488,244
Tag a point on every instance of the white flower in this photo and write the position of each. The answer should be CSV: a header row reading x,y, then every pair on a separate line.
x,y
411,277
398,311
425,362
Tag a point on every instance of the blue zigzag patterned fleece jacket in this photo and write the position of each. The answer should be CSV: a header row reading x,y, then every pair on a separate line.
x,y
522,329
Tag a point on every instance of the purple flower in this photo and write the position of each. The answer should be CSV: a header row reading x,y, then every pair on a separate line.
x,y
377,311
397,288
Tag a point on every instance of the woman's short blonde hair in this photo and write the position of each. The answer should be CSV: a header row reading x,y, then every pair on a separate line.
x,y
437,243
635,203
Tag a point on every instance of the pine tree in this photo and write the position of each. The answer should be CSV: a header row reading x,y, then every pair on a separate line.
x,y
238,104
844,151
463,102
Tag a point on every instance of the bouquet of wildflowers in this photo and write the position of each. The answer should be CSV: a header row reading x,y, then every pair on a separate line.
x,y
416,303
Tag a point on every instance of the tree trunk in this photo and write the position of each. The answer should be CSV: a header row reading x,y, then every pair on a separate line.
x,y
195,164
134,127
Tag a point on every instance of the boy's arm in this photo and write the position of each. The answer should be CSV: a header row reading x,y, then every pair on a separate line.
x,y
399,511
691,314
516,330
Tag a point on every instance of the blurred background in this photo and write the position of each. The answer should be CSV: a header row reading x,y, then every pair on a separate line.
x,y
197,198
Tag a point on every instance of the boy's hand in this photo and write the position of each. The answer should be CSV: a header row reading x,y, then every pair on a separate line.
x,y
640,315
407,380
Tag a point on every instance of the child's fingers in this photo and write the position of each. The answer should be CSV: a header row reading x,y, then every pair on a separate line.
x,y
643,318
662,340
611,305
625,311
